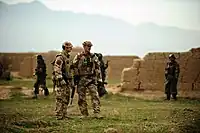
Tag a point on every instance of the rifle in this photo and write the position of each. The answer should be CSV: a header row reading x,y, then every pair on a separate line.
x,y
76,80
72,94
101,88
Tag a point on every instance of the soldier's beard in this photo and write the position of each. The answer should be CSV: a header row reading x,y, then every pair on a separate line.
x,y
87,51
67,51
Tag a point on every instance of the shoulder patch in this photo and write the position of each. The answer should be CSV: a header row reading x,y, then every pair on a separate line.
x,y
58,62
59,55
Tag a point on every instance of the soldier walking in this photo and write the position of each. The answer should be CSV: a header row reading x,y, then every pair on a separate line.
x,y
40,72
88,69
63,77
172,71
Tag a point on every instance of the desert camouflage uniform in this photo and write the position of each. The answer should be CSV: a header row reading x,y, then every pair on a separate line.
x,y
63,78
172,71
53,78
88,68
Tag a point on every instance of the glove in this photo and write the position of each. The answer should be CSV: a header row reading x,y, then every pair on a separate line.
x,y
99,80
62,82
34,74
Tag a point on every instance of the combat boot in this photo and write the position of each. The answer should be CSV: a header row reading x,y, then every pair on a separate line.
x,y
98,116
174,97
46,92
61,117
35,96
167,97
58,114
84,117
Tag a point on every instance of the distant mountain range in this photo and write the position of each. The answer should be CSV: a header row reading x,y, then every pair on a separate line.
x,y
27,27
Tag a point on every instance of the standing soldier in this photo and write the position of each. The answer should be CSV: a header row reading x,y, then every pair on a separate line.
x,y
103,67
172,71
1,69
40,72
63,77
87,67
53,78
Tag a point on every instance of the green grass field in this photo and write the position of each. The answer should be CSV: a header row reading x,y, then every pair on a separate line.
x,y
30,82
126,114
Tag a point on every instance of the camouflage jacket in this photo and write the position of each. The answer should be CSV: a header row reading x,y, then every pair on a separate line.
x,y
172,69
87,65
62,66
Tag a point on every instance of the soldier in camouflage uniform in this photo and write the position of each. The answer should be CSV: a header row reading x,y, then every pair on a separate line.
x,y
40,72
103,67
88,69
53,78
63,77
171,75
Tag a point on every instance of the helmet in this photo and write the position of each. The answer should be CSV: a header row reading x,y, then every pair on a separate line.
x,y
172,56
100,56
39,56
67,44
87,43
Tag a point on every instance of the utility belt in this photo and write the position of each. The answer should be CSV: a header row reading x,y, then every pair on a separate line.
x,y
87,75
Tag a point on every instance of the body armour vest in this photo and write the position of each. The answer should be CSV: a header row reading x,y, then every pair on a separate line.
x,y
86,64
66,66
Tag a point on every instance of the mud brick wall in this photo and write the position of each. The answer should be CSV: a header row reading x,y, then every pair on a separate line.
x,y
117,64
26,67
148,73
13,59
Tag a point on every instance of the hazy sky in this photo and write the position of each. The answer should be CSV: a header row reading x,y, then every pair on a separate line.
x,y
180,13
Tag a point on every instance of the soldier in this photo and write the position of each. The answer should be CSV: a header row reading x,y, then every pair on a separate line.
x,y
1,69
103,67
53,78
63,77
88,70
40,72
171,75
